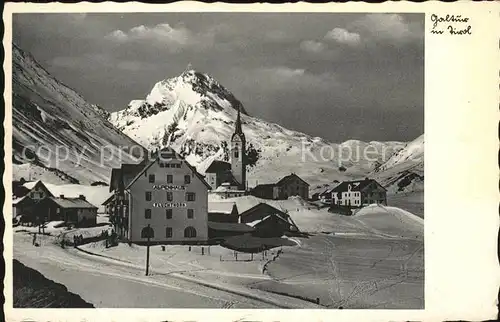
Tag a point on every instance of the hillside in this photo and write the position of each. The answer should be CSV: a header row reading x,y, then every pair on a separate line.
x,y
404,171
195,114
56,129
33,290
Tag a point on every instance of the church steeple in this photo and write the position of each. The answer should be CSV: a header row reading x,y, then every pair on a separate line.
x,y
238,160
237,129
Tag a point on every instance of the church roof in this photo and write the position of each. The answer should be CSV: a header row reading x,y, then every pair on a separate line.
x,y
218,166
237,127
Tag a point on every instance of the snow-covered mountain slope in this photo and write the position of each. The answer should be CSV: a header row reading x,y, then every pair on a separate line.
x,y
196,115
55,127
404,171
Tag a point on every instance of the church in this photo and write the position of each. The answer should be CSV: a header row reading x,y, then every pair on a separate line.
x,y
228,179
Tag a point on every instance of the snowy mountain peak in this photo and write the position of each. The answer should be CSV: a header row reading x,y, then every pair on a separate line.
x,y
191,89
197,116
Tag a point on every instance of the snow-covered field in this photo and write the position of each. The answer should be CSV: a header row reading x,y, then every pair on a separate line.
x,y
373,259
59,230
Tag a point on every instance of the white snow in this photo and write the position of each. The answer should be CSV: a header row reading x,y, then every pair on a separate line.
x,y
205,120
96,195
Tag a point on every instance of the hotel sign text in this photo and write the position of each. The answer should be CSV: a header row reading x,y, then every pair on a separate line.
x,y
170,204
168,187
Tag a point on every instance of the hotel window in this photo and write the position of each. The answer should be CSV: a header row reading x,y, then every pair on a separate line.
x,y
190,196
151,178
162,165
190,213
169,213
167,165
187,179
178,165
190,232
168,232
236,154
170,196
147,213
148,195
170,178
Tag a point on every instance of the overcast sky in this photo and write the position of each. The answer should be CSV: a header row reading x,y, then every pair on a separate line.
x,y
338,76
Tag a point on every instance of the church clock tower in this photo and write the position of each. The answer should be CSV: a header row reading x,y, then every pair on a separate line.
x,y
238,142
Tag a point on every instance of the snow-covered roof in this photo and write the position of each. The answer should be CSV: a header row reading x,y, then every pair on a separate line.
x,y
172,154
255,222
221,207
356,185
72,203
226,187
14,201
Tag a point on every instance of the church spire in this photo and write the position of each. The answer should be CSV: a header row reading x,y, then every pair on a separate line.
x,y
237,129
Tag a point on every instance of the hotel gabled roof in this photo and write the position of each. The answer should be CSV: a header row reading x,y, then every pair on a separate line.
x,y
177,156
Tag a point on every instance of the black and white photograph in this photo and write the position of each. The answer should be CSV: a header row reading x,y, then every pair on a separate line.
x,y
218,160
221,162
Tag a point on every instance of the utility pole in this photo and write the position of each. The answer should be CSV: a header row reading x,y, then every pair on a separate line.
x,y
147,250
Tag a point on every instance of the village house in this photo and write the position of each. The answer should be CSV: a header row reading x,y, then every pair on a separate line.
x,y
219,231
268,221
26,205
223,212
40,205
359,193
18,188
225,191
265,191
290,185
167,201
77,211
38,191
219,172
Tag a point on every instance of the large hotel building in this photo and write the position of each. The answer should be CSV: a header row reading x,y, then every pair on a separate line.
x,y
164,199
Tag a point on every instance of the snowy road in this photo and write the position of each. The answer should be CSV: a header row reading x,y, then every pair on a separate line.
x,y
342,271
107,285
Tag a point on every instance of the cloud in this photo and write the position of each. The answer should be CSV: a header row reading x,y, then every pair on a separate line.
x,y
343,36
286,78
176,38
389,27
312,46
